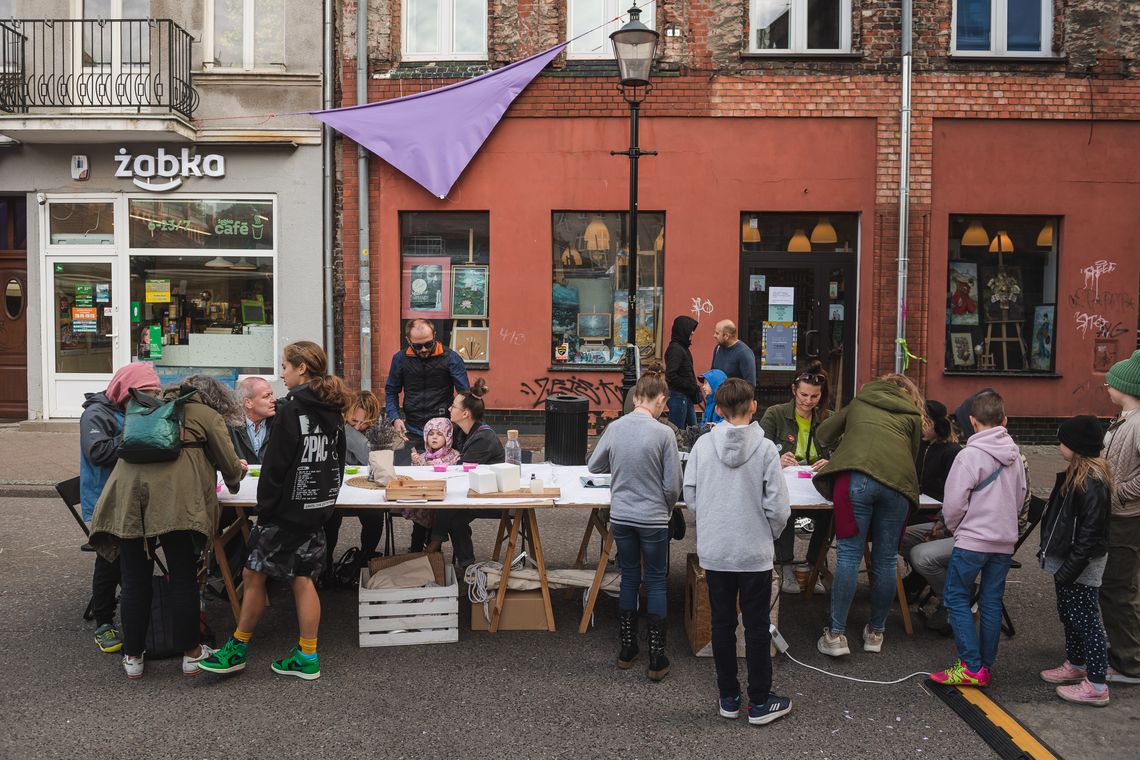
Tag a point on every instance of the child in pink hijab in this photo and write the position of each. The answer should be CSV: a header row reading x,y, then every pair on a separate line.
x,y
438,435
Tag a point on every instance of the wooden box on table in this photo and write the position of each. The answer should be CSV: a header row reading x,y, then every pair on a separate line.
x,y
698,617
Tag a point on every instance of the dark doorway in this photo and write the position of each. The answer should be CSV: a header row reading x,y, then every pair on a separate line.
x,y
14,308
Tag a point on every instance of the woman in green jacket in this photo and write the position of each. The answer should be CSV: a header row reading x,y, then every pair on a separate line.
x,y
792,427
872,481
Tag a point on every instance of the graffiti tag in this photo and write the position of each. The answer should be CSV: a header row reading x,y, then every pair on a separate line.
x,y
701,306
1099,326
1110,299
1094,271
599,392
512,337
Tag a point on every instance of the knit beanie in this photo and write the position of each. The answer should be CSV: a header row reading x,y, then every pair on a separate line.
x,y
1083,434
1125,375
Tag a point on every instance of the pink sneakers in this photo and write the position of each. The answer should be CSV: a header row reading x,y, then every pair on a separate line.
x,y
1067,673
1083,693
959,675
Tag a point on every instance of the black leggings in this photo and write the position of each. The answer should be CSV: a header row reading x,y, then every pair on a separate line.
x,y
136,559
1085,643
371,531
104,588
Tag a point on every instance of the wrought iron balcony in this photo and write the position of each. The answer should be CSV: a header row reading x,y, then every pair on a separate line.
x,y
116,66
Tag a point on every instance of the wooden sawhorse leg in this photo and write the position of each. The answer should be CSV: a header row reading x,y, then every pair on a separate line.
x,y
521,516
603,561
233,590
594,523
820,568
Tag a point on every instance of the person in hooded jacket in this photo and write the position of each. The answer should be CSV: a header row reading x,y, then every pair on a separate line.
x,y
871,479
684,390
100,428
710,381
173,504
735,488
296,493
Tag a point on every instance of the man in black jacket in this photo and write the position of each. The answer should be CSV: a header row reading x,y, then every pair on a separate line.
x,y
429,376
259,404
684,391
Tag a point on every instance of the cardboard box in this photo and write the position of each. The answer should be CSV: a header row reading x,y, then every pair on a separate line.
x,y
698,617
522,611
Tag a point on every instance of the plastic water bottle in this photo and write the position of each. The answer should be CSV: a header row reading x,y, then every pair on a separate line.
x,y
514,450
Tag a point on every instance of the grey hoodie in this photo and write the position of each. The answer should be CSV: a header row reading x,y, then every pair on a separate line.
x,y
736,489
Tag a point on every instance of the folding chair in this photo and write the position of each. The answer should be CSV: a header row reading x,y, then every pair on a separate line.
x,y
68,490
1036,512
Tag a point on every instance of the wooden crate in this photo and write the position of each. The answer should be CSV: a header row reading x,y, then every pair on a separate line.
x,y
416,490
698,617
399,616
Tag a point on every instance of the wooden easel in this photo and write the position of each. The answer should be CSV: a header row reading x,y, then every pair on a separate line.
x,y
1004,338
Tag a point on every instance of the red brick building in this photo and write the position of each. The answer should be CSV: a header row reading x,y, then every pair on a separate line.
x,y
779,155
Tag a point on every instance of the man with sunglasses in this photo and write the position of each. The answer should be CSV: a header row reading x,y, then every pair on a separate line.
x,y
732,356
429,376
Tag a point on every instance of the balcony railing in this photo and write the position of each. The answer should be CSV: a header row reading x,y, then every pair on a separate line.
x,y
110,65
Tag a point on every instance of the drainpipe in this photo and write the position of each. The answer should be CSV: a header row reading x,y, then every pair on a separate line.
x,y
904,184
327,184
362,202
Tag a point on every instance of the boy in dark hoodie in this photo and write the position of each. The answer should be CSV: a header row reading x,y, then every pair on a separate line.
x,y
684,390
735,487
984,492
296,493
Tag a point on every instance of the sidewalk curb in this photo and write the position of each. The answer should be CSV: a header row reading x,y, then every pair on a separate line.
x,y
28,491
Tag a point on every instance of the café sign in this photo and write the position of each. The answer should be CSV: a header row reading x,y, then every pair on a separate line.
x,y
164,171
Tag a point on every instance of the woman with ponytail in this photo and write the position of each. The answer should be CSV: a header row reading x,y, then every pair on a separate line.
x,y
296,493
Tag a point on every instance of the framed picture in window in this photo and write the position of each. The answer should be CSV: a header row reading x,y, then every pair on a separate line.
x,y
469,291
962,349
595,326
472,343
1002,296
1041,339
963,293
426,288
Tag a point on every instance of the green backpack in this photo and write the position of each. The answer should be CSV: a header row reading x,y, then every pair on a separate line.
x,y
153,428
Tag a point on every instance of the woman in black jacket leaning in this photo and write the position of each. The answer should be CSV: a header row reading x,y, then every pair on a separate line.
x,y
684,391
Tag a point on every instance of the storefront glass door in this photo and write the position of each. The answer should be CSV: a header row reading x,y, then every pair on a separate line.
x,y
795,309
85,322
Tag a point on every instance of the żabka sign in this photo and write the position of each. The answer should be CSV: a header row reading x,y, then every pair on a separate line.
x,y
169,168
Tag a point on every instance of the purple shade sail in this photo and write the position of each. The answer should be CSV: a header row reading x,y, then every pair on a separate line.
x,y
432,136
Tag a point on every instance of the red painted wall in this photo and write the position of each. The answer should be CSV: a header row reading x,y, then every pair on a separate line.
x,y
707,172
1087,175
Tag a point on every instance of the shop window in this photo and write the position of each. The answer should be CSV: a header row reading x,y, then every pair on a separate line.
x,y
589,24
81,223
589,296
445,277
798,233
1001,304
248,34
202,224
445,29
1003,27
189,314
799,26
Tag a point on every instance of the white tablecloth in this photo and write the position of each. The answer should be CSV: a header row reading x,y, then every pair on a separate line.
x,y
801,491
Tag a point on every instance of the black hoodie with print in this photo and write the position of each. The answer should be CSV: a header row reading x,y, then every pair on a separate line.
x,y
679,360
302,470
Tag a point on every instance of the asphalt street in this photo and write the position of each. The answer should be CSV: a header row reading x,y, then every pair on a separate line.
x,y
512,694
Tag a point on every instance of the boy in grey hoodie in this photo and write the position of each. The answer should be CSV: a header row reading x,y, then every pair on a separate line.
x,y
984,491
735,488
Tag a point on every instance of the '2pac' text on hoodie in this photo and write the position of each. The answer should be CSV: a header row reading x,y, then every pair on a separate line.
x,y
985,520
736,489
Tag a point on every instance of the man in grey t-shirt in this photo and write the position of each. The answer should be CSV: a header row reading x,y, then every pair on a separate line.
x,y
732,355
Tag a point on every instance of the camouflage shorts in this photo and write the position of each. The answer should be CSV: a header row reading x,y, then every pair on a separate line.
x,y
284,553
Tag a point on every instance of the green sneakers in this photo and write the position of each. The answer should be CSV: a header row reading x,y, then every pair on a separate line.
x,y
229,659
298,665
107,637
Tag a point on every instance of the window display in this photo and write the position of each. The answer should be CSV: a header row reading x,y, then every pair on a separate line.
x,y
1001,294
445,277
589,294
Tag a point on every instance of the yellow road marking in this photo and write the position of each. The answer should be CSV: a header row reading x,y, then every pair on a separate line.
x,y
1025,741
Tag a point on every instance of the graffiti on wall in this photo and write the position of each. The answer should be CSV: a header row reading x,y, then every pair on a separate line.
x,y
597,391
701,306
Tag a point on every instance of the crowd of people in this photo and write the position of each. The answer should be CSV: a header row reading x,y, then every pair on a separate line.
x,y
871,457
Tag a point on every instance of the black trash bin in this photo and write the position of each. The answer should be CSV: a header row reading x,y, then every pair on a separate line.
x,y
567,420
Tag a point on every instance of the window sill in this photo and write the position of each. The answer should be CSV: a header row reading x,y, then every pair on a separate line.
x,y
996,373
571,367
789,54
995,58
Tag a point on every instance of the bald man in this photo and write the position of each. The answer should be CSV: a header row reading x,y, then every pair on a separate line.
x,y
259,405
731,355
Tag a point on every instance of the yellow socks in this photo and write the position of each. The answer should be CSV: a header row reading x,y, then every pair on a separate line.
x,y
243,636
308,646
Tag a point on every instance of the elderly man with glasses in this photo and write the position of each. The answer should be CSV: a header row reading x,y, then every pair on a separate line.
x,y
429,376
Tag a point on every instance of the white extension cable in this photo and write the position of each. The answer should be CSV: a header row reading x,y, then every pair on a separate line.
x,y
782,647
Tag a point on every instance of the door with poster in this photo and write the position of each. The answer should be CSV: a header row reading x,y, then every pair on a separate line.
x,y
795,309
85,329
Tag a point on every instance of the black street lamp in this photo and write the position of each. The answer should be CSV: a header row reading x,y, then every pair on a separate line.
x,y
634,47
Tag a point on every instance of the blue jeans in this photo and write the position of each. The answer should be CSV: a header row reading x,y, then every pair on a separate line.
x,y
880,514
635,546
975,648
681,412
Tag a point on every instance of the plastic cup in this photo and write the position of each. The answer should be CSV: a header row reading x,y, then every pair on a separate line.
x,y
440,467
351,470
255,472
468,466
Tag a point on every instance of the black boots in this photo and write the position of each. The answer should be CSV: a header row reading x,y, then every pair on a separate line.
x,y
658,662
627,632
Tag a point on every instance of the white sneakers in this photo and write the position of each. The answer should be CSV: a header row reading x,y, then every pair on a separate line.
x,y
832,644
133,665
872,640
190,664
788,582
